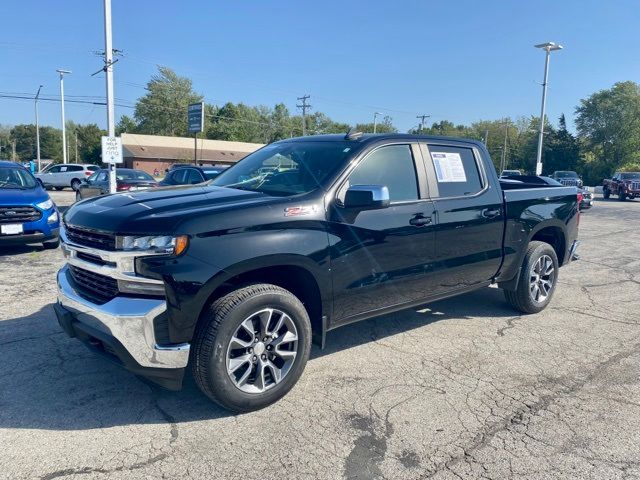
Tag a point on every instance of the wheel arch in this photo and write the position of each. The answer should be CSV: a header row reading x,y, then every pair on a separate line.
x,y
295,273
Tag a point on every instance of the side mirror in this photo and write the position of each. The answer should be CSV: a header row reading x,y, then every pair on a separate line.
x,y
367,197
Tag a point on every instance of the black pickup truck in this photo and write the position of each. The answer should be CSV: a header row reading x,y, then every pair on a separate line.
x,y
235,278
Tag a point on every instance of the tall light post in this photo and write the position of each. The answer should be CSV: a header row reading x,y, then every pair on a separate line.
x,y
64,133
108,70
547,47
375,121
37,129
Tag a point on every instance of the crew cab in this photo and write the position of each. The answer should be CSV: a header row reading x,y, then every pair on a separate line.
x,y
623,184
235,278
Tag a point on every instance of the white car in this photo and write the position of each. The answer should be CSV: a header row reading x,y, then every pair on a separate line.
x,y
60,175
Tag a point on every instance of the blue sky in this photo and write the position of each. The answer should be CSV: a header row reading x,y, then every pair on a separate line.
x,y
457,60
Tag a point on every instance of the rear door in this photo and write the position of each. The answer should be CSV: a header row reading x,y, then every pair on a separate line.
x,y
98,186
193,176
382,258
469,215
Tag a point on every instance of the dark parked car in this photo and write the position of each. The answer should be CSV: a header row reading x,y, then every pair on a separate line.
x,y
623,184
127,179
190,175
27,213
235,277
567,178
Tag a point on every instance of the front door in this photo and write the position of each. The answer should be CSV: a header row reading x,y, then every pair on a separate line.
x,y
470,216
381,258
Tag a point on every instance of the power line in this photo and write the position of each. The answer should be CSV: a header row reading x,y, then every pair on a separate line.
x,y
304,108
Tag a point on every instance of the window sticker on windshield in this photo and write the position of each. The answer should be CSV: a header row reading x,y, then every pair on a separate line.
x,y
448,167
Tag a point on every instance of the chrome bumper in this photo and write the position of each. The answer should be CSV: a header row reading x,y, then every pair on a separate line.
x,y
127,319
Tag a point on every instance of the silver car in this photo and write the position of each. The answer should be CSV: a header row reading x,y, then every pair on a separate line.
x,y
60,175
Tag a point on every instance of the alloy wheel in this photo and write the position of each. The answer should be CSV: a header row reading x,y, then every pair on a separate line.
x,y
262,350
542,279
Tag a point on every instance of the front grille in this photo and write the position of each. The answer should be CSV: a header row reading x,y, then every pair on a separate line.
x,y
19,214
635,185
94,286
91,238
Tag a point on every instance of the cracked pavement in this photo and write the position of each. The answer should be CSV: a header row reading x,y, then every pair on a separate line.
x,y
462,388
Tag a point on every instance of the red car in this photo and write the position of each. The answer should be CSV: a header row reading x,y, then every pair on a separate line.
x,y
623,184
127,179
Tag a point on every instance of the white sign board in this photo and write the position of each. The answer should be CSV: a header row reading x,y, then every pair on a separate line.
x,y
448,167
112,150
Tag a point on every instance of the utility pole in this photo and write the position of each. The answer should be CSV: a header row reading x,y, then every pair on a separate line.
x,y
305,106
486,137
108,69
76,132
13,150
37,129
64,129
548,48
503,161
375,121
422,118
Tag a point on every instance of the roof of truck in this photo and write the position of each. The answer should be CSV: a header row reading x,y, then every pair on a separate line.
x,y
374,137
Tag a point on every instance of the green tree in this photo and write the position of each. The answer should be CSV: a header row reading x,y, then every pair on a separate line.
x,y
385,126
608,123
163,110
126,125
89,143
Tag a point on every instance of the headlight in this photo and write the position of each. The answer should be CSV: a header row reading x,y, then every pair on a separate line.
x,y
53,218
155,243
46,205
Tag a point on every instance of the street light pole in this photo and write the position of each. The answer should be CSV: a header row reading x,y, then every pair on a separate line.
x,y
548,48
64,133
375,121
108,65
37,129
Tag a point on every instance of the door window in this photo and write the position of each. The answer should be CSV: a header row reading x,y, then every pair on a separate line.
x,y
193,176
102,177
178,176
391,166
456,171
74,168
55,169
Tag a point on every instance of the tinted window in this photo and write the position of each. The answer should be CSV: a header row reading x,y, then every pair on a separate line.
x,y
55,169
630,176
456,171
193,176
74,168
177,176
93,168
93,177
102,177
122,174
390,166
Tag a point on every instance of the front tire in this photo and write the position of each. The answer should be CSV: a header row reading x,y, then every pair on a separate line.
x,y
59,188
606,193
251,347
622,196
538,279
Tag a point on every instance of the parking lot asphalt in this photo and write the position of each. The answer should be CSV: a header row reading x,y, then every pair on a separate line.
x,y
462,388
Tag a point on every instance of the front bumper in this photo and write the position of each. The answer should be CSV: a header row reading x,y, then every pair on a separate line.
x,y
35,232
122,328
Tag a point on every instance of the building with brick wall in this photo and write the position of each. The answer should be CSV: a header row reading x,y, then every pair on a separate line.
x,y
153,153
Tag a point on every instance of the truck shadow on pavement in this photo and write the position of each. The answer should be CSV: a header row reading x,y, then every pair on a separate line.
x,y
52,382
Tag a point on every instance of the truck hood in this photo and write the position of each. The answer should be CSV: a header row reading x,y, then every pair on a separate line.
x,y
158,210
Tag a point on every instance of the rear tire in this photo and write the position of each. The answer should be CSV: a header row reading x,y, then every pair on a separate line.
x,y
538,278
75,183
59,188
606,193
241,335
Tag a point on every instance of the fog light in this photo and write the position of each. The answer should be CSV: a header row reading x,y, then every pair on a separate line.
x,y
141,288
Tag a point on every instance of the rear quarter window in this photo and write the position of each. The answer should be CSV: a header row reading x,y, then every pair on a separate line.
x,y
456,171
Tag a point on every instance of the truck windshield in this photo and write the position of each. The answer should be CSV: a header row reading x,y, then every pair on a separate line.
x,y
567,174
17,178
285,169
630,176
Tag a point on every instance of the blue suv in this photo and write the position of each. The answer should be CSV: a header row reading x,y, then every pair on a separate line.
x,y
27,214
